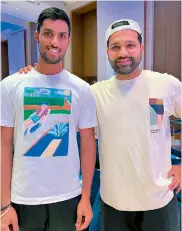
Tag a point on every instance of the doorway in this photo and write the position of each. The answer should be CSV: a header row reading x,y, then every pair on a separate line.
x,y
4,59
84,42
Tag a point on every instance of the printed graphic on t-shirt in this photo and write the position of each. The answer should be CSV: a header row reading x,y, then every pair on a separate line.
x,y
46,117
156,113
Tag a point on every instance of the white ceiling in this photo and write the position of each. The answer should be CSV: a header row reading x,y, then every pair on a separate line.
x,y
28,10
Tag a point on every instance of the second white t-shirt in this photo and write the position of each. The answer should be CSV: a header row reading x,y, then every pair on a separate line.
x,y
135,139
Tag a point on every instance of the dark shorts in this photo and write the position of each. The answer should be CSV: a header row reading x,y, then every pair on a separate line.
x,y
163,219
59,216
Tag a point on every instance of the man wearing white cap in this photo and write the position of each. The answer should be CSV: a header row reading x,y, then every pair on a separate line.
x,y
138,182
133,109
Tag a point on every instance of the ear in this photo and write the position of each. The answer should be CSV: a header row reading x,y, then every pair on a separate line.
x,y
69,40
107,51
142,47
36,36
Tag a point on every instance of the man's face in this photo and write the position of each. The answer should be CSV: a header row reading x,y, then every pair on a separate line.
x,y
124,51
53,40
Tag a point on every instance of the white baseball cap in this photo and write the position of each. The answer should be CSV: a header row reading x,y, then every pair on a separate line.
x,y
122,24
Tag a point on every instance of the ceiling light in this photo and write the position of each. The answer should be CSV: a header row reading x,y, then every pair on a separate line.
x,y
35,2
4,1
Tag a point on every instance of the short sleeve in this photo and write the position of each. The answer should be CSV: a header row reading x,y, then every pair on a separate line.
x,y
87,117
177,98
7,115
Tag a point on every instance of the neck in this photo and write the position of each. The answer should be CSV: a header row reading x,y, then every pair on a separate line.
x,y
48,69
133,75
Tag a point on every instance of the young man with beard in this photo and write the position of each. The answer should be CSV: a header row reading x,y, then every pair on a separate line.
x,y
138,182
40,116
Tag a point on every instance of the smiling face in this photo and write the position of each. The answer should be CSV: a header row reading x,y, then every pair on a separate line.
x,y
53,40
124,51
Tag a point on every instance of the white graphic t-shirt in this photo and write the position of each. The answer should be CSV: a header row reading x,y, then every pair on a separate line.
x,y
135,139
46,112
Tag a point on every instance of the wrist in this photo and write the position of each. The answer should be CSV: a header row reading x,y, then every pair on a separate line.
x,y
6,211
5,202
85,196
5,207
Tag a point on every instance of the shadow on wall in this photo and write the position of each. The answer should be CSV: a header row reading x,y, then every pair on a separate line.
x,y
13,43
7,29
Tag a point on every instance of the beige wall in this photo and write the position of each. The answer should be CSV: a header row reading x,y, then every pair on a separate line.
x,y
107,13
77,45
90,43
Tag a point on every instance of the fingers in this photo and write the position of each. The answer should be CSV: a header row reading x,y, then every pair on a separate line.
x,y
174,184
171,173
21,70
84,215
85,223
25,70
15,225
78,221
5,227
178,189
175,172
29,67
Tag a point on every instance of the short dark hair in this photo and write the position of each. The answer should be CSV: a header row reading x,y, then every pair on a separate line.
x,y
139,39
53,13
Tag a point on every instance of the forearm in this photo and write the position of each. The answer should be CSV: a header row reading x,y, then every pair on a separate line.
x,y
88,158
6,170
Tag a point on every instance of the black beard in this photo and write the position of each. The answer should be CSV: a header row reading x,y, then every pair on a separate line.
x,y
127,69
43,55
